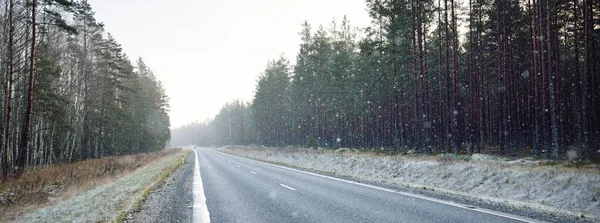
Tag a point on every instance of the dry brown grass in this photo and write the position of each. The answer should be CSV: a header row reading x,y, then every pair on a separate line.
x,y
38,186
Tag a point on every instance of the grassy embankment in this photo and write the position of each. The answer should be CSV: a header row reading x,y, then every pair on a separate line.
x,y
97,190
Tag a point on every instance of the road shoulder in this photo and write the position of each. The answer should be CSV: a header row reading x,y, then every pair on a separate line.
x,y
172,201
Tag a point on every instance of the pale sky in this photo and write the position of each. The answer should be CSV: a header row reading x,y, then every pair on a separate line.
x,y
208,53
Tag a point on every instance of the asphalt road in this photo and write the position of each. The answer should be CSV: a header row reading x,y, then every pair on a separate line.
x,y
242,190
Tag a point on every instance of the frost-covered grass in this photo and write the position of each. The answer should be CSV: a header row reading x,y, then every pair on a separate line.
x,y
137,205
40,187
105,202
541,185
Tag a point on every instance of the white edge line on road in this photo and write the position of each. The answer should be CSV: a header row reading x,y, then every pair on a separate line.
x,y
286,186
200,210
478,209
253,172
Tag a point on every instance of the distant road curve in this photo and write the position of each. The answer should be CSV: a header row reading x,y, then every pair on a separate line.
x,y
242,190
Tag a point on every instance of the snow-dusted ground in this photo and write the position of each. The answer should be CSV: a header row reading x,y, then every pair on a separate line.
x,y
103,203
525,182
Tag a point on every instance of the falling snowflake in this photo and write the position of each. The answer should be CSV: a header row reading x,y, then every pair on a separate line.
x,y
427,124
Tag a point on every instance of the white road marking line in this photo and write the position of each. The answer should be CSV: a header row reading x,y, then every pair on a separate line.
x,y
482,210
253,172
200,210
286,186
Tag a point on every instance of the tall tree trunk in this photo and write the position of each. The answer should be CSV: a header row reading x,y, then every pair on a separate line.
x,y
455,69
449,134
481,80
4,141
534,77
471,82
441,120
543,79
426,124
552,78
29,103
415,61
576,89
585,82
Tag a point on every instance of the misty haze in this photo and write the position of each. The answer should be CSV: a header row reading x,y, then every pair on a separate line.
x,y
300,111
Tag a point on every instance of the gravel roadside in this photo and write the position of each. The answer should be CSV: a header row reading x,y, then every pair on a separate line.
x,y
172,202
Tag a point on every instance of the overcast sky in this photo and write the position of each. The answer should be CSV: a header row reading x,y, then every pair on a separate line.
x,y
208,53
